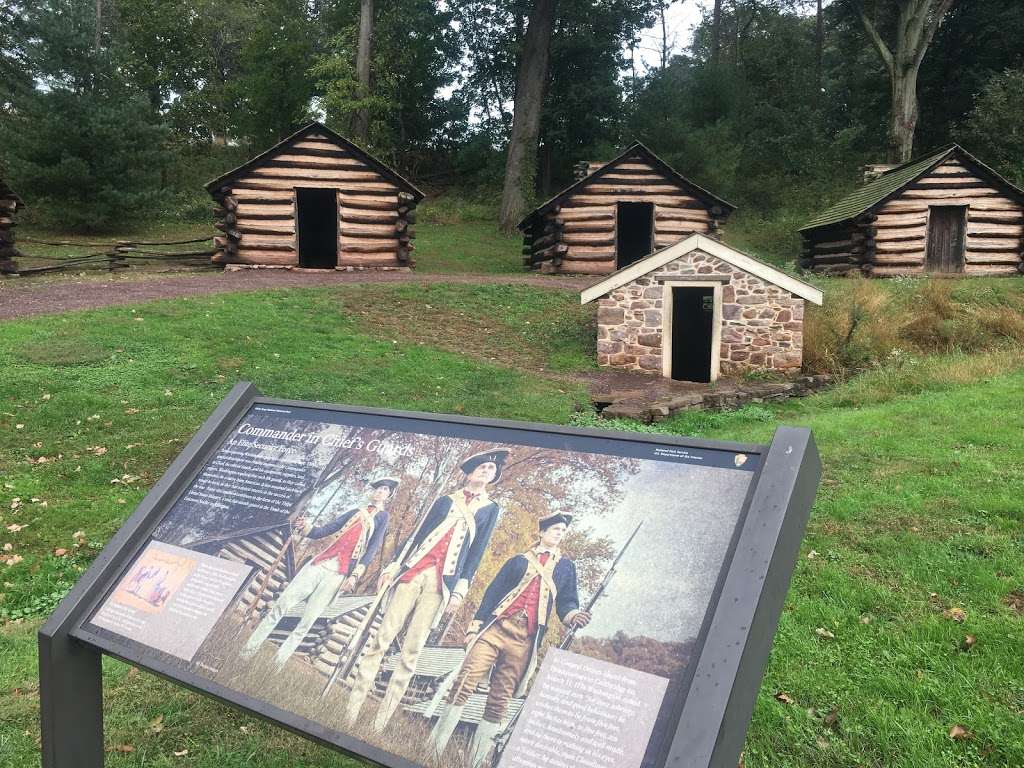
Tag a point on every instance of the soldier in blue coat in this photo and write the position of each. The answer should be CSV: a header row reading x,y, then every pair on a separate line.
x,y
430,578
337,569
507,630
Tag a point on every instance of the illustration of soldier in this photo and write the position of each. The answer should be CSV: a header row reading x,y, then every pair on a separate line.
x,y
428,581
506,632
337,569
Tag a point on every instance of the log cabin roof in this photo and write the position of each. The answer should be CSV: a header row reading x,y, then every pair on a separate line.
x,y
708,245
317,127
893,182
633,151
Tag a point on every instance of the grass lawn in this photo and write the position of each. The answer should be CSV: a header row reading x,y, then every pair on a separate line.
x,y
919,512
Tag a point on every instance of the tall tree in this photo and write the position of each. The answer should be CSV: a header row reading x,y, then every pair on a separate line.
x,y
361,118
716,31
916,24
521,161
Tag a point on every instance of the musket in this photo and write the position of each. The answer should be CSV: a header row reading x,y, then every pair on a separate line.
x,y
502,739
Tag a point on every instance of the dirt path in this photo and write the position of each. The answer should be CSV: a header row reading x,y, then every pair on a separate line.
x,y
21,298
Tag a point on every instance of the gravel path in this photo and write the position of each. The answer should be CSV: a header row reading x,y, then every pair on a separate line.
x,y
21,298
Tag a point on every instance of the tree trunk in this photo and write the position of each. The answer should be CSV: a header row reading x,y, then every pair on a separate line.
x,y
716,32
361,119
915,27
664,34
903,121
98,38
521,162
819,46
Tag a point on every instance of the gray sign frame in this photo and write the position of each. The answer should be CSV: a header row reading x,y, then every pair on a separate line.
x,y
725,672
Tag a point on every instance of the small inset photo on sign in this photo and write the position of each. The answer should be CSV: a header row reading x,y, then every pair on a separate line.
x,y
156,576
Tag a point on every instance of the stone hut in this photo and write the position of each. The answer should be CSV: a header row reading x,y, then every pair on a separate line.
x,y
947,214
698,310
315,201
617,213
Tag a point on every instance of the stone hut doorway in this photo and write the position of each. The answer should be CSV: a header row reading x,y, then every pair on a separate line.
x,y
634,232
317,214
946,229
690,329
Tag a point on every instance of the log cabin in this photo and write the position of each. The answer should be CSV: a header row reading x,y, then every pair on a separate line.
x,y
315,201
10,204
617,213
947,214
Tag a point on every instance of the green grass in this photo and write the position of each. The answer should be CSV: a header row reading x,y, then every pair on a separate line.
x,y
919,509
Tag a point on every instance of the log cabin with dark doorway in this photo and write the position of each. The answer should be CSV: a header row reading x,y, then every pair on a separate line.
x,y
616,213
315,201
698,310
10,204
946,215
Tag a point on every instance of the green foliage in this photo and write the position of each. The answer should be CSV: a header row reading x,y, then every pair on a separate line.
x,y
993,128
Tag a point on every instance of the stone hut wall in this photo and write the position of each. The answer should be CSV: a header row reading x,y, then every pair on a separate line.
x,y
762,324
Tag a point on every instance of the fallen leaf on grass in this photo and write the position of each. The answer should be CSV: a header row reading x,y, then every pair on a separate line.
x,y
131,411
1015,600
968,642
785,698
156,724
13,560
824,634
15,503
8,547
122,748
959,615
96,450
832,718
19,426
60,552
180,753
959,733
812,554
46,396
14,527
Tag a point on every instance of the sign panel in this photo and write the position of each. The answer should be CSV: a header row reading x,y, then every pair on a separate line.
x,y
433,592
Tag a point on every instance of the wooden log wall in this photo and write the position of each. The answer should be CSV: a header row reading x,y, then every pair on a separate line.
x,y
259,550
578,235
995,224
332,644
9,204
894,239
257,211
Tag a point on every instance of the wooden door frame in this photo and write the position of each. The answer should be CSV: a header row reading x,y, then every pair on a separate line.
x,y
928,237
667,319
615,225
337,221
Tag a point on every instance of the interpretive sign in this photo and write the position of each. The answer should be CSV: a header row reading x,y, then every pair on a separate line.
x,y
427,590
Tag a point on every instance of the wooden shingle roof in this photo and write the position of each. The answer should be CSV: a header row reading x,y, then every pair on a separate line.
x,y
892,182
316,127
636,150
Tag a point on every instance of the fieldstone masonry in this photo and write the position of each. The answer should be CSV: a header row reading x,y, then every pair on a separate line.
x,y
762,324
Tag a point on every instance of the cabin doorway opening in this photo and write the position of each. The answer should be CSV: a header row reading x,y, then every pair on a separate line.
x,y
317,215
947,225
693,315
634,232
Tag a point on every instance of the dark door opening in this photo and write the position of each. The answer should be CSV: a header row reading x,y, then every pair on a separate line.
x,y
693,314
317,213
634,232
946,225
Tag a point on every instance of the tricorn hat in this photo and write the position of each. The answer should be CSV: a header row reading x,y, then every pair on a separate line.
x,y
559,517
390,482
497,456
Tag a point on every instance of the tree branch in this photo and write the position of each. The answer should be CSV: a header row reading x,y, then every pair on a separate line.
x,y
880,46
932,27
